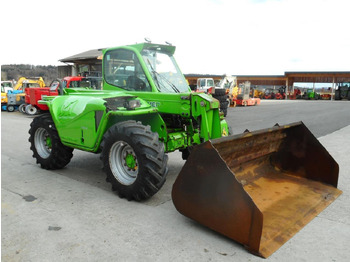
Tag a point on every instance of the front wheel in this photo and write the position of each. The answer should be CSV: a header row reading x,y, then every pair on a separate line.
x,y
134,160
46,145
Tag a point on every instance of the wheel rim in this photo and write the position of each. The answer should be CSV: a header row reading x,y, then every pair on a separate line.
x,y
42,142
31,110
123,163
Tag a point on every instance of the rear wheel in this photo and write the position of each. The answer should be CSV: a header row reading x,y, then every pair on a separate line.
x,y
22,108
46,145
31,110
10,108
134,160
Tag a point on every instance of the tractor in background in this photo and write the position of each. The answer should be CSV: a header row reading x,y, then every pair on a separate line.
x,y
311,94
342,91
16,97
57,87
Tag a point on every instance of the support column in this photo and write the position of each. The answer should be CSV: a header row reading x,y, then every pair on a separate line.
x,y
74,70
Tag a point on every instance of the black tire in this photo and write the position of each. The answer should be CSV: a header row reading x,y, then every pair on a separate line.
x,y
134,160
10,108
337,95
224,106
224,103
221,98
220,92
22,108
224,110
46,145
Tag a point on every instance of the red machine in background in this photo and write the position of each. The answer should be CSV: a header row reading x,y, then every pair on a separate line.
x,y
33,95
243,96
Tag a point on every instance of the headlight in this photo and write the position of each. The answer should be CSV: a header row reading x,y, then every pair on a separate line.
x,y
132,104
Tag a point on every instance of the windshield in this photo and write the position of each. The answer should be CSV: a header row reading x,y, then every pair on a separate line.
x,y
6,84
344,85
54,85
72,83
164,71
210,82
25,85
75,83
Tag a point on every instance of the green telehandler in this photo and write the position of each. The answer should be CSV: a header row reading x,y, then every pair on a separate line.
x,y
146,109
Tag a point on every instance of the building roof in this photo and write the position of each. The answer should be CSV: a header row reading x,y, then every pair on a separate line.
x,y
88,55
287,79
94,56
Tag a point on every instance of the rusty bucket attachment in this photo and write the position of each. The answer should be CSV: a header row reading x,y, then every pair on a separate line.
x,y
258,188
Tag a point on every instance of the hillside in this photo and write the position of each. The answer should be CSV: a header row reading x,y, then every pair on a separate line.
x,y
10,72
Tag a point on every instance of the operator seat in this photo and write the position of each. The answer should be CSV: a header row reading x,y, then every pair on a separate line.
x,y
135,83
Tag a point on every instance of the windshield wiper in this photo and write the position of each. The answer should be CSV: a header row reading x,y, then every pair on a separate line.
x,y
169,83
155,73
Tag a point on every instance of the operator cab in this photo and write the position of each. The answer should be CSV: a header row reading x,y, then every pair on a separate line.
x,y
154,71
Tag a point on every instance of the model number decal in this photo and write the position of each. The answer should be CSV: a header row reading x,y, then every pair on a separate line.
x,y
154,104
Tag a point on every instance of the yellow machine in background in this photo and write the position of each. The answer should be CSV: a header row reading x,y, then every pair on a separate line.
x,y
17,92
6,86
24,82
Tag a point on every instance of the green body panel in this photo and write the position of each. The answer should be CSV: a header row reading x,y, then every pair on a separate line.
x,y
181,119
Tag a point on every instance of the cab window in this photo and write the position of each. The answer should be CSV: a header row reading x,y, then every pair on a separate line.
x,y
123,69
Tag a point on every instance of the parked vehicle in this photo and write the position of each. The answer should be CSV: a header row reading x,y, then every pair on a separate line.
x,y
6,86
342,91
269,93
243,97
18,95
33,96
311,94
205,85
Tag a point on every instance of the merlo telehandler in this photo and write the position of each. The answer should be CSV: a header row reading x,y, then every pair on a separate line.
x,y
248,187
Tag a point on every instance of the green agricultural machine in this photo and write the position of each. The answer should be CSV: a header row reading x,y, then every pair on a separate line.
x,y
248,187
145,110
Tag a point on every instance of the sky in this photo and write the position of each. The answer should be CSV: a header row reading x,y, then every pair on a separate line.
x,y
240,37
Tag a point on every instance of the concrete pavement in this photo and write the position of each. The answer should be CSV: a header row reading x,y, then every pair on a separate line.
x,y
72,215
